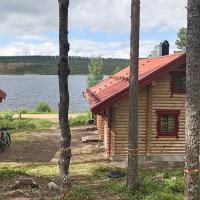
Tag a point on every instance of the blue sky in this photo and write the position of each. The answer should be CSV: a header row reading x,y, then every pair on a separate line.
x,y
96,28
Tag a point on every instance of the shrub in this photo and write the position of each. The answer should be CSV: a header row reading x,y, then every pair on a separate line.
x,y
22,111
17,124
43,107
80,119
7,115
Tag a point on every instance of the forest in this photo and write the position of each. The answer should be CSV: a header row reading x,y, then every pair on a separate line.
x,y
47,65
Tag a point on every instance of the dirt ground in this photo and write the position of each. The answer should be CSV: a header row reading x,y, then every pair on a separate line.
x,y
42,147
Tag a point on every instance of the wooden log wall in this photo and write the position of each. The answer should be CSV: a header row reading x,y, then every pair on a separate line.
x,y
100,125
154,97
163,100
120,125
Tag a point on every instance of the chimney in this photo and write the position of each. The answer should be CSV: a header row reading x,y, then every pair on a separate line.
x,y
164,48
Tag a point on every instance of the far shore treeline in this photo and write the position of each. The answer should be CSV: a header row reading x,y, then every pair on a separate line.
x,y
47,65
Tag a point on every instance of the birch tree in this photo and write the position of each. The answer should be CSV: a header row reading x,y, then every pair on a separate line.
x,y
192,184
63,73
132,177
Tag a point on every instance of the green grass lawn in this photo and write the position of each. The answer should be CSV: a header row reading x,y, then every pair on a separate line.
x,y
25,124
7,120
81,119
94,178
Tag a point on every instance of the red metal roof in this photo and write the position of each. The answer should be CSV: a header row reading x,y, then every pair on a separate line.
x,y
2,95
114,87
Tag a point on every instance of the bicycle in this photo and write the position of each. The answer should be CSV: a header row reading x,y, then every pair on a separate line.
x,y
5,139
2,146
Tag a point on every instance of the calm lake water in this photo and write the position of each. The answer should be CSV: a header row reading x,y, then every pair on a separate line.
x,y
25,91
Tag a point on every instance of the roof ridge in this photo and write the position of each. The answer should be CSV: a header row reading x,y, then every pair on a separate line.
x,y
121,78
170,55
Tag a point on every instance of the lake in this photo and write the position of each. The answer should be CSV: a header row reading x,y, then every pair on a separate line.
x,y
25,91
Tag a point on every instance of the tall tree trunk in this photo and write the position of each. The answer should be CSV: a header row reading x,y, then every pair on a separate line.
x,y
192,184
63,73
132,177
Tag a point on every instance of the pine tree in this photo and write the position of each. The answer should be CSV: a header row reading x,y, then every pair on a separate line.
x,y
192,184
132,177
181,39
63,73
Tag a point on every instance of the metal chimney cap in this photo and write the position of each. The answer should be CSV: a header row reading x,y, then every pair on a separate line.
x,y
164,48
165,42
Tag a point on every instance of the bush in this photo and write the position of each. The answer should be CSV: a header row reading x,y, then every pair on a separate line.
x,y
7,122
16,124
22,111
7,115
43,107
80,119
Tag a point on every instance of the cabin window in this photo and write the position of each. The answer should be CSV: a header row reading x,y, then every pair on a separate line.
x,y
178,82
168,122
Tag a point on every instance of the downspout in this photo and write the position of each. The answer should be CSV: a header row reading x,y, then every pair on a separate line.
x,y
109,130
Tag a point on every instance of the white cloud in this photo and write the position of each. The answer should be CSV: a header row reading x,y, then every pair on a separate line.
x,y
27,20
111,49
22,48
32,38
29,17
114,15
85,48
165,15
91,48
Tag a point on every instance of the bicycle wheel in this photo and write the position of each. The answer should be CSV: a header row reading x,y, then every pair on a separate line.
x,y
2,147
8,139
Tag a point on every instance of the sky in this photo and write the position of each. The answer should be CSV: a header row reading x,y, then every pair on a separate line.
x,y
96,27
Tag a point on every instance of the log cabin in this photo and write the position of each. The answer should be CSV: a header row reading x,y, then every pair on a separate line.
x,y
2,95
161,113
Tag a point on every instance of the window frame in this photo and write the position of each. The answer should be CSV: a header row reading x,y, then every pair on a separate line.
x,y
174,113
174,75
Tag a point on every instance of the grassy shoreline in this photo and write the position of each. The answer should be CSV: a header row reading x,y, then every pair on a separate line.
x,y
45,113
9,120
